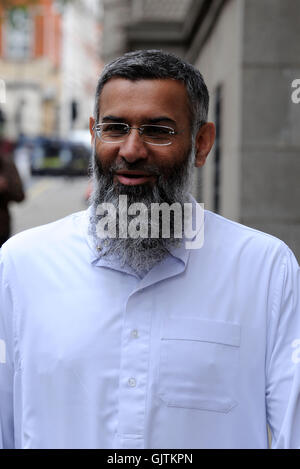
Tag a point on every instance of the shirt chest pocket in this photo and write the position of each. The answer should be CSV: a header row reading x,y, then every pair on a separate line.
x,y
198,364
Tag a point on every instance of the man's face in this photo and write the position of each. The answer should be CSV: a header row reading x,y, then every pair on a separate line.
x,y
134,162
145,173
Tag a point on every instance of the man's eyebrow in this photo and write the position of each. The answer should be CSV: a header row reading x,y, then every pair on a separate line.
x,y
153,120
113,119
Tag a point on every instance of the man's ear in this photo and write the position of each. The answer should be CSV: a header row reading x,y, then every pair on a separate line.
x,y
92,123
204,141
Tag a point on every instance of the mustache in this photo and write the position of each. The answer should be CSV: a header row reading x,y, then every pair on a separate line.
x,y
135,166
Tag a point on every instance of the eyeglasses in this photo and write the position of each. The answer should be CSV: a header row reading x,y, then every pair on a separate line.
x,y
115,132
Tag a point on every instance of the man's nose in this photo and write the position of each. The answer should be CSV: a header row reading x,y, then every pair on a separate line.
x,y
133,148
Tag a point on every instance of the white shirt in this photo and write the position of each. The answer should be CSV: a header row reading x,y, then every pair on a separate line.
x,y
200,353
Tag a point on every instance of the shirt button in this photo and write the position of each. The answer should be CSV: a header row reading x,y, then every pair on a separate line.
x,y
134,333
132,382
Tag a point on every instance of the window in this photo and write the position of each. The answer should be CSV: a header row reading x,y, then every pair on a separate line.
x,y
18,34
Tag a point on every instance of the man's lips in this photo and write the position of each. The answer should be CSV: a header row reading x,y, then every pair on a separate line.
x,y
134,178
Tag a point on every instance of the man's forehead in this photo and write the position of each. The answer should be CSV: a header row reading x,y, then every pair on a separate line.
x,y
152,94
149,82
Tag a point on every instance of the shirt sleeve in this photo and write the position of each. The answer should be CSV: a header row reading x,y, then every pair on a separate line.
x,y
283,356
6,362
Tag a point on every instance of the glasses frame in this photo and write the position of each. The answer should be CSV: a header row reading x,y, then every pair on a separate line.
x,y
97,128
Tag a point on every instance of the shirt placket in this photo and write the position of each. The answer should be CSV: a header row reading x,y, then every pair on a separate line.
x,y
134,370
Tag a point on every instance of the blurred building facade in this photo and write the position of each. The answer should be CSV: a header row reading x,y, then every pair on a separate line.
x,y
248,52
81,62
49,61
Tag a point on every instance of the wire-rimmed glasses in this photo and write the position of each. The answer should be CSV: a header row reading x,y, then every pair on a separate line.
x,y
115,132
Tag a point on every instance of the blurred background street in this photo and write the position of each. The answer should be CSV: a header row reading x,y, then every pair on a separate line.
x,y
53,51
50,58
48,199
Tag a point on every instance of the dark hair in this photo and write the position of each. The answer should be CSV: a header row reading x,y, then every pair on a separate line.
x,y
158,64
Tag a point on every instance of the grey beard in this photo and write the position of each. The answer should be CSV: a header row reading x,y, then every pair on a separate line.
x,y
141,254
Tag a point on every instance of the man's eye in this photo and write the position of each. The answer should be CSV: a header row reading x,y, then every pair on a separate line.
x,y
114,128
156,131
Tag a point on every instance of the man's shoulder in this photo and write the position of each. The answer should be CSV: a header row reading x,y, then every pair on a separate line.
x,y
233,235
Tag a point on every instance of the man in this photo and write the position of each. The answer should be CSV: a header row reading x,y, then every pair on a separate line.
x,y
116,341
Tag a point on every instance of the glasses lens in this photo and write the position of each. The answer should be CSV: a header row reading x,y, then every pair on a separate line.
x,y
112,131
157,134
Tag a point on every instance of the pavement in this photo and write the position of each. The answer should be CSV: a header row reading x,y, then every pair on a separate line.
x,y
47,200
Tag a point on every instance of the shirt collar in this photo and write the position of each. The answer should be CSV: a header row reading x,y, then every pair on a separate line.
x,y
182,252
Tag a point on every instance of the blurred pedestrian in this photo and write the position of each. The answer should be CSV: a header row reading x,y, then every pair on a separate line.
x,y
11,189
